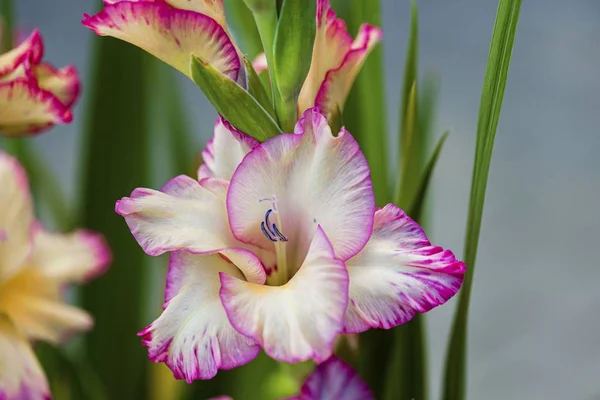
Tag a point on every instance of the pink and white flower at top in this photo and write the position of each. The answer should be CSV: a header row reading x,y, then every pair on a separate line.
x,y
279,246
35,267
172,30
34,96
336,61
331,380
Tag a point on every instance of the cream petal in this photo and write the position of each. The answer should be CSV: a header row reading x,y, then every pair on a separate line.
x,y
397,274
297,321
16,216
168,33
193,335
21,376
312,178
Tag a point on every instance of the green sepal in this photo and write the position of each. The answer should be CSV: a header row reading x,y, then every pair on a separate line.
x,y
234,103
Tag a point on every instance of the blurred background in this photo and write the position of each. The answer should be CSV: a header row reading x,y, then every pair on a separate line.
x,y
534,326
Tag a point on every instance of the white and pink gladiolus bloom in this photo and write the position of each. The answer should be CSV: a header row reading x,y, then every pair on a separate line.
x,y
278,245
36,266
331,380
34,95
173,31
336,61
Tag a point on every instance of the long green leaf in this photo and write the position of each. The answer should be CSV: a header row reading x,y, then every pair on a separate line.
x,y
7,25
115,161
257,89
365,113
418,202
494,84
244,28
234,103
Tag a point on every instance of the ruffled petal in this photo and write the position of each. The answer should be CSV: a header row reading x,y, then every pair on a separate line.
x,y
70,258
225,151
211,8
34,303
31,50
62,83
332,43
333,380
299,320
185,215
398,274
337,83
16,216
193,335
22,377
313,178
168,33
27,109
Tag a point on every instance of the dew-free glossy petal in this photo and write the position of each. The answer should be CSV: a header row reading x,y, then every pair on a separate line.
x,y
397,274
334,380
27,109
332,43
316,179
338,81
62,83
299,320
185,215
225,151
35,303
16,216
21,376
168,33
31,50
70,258
193,335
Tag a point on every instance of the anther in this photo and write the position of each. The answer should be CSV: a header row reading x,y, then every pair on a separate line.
x,y
266,233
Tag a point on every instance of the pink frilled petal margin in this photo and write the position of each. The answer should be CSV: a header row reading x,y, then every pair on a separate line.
x,y
225,151
398,274
168,33
22,375
299,320
25,108
31,50
316,179
337,83
193,336
334,379
187,215
34,96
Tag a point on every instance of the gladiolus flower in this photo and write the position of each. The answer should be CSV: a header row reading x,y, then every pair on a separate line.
x,y
332,379
172,30
278,245
336,61
35,267
34,96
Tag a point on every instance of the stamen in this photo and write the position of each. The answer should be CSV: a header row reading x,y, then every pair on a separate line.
x,y
281,237
269,229
266,233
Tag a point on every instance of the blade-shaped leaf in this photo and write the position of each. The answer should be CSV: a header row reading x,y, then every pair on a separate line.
x,y
234,103
115,162
492,95
257,89
365,110
6,25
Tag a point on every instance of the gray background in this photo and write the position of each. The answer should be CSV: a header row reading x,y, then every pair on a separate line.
x,y
534,331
